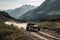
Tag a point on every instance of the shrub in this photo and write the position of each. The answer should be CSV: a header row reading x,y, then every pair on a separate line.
x,y
10,32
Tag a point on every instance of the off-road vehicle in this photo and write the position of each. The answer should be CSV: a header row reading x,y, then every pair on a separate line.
x,y
31,26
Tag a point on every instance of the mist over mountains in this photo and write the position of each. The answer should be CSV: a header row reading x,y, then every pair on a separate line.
x,y
49,10
4,16
20,11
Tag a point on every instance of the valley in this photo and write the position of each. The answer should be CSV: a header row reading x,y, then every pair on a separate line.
x,y
46,16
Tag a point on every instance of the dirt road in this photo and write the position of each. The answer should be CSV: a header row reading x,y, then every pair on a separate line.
x,y
34,35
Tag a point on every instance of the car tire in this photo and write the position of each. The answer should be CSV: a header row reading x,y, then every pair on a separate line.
x,y
38,29
27,28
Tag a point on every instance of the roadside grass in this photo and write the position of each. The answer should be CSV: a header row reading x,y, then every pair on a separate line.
x,y
10,32
50,25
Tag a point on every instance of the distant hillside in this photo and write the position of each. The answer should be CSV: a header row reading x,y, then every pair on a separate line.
x,y
4,16
49,10
16,13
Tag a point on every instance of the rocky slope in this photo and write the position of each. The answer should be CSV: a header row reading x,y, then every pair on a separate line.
x,y
49,10
4,16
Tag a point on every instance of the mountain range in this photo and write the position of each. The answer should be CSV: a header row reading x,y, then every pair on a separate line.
x,y
17,12
49,10
4,16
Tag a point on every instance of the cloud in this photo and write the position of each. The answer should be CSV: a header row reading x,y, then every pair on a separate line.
x,y
3,2
32,0
35,2
7,0
11,4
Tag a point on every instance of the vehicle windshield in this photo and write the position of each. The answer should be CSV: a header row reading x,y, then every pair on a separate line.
x,y
31,24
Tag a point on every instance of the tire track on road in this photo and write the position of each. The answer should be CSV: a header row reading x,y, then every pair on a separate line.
x,y
35,36
38,36
50,37
28,34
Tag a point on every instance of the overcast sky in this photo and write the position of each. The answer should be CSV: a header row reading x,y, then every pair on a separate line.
x,y
11,4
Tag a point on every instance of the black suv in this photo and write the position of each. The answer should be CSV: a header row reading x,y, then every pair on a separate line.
x,y
32,26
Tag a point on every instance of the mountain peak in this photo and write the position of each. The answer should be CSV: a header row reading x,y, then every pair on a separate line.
x,y
52,0
41,13
20,10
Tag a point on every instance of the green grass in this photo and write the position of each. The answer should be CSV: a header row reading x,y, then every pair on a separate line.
x,y
10,32
50,25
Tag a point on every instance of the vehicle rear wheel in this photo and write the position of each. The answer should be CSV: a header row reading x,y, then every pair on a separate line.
x,y
27,28
38,29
